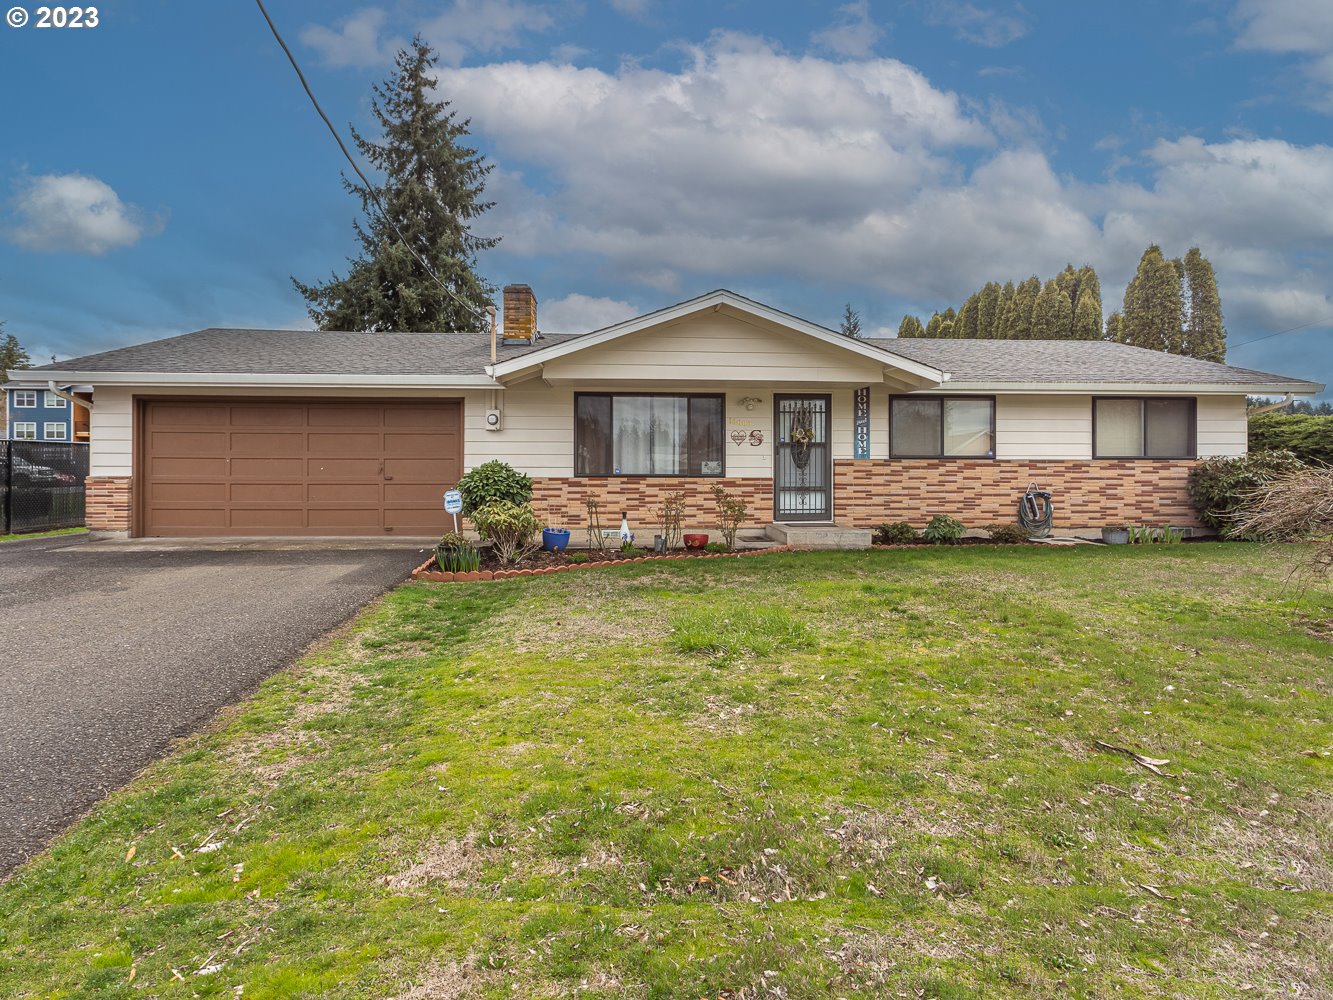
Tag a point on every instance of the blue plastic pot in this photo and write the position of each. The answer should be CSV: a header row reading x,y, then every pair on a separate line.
x,y
555,539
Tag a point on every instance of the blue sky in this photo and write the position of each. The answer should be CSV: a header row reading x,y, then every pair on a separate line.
x,y
163,172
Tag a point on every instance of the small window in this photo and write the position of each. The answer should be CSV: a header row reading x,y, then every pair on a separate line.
x,y
54,402
624,435
55,432
25,430
1143,428
25,398
942,427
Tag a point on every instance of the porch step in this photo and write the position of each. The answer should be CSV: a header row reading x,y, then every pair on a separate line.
x,y
819,536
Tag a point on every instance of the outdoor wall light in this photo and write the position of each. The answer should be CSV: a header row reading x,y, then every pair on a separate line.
x,y
750,402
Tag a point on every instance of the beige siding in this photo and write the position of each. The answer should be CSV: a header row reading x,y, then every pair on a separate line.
x,y
1054,427
111,444
1223,426
715,348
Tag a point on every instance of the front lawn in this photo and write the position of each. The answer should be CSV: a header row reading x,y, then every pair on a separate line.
x,y
835,774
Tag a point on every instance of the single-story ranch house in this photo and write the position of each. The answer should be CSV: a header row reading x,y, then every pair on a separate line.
x,y
276,432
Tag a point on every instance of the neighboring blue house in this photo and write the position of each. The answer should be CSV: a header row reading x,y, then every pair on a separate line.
x,y
37,414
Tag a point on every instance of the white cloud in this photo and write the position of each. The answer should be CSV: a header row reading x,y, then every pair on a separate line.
x,y
979,25
632,8
464,27
1293,27
75,213
853,32
578,313
355,42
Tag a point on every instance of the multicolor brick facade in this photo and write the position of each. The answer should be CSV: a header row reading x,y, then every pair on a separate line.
x,y
1088,494
109,503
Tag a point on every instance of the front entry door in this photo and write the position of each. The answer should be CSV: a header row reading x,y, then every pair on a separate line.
x,y
802,459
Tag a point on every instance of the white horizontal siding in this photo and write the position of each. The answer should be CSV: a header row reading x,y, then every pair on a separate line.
x,y
1223,426
1043,427
111,426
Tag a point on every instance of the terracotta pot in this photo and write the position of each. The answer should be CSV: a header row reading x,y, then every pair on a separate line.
x,y
696,541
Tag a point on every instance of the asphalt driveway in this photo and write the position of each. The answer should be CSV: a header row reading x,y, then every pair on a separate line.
x,y
109,651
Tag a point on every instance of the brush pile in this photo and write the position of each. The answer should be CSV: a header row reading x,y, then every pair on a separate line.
x,y
1294,507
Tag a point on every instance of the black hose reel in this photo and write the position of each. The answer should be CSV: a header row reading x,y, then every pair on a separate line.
x,y
1036,511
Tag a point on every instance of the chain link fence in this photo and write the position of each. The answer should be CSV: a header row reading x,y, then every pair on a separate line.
x,y
41,485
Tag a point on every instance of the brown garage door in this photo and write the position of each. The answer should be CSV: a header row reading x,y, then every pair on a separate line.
x,y
274,467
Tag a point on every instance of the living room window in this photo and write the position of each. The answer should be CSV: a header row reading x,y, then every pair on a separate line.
x,y
942,427
648,435
1143,428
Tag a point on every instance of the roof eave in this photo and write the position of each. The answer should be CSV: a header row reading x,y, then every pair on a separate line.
x,y
273,380
1140,388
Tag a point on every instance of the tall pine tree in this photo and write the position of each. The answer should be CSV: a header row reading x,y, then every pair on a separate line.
x,y
12,354
1053,315
432,188
1115,328
911,327
1205,336
851,322
1153,310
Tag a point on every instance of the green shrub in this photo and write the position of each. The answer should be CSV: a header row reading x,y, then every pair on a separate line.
x,y
492,481
900,533
716,547
511,528
1008,534
943,530
579,558
1308,437
1218,487
732,511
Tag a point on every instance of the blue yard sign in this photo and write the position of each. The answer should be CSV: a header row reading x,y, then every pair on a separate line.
x,y
861,432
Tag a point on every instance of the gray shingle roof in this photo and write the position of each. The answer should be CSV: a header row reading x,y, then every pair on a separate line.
x,y
1067,361
283,352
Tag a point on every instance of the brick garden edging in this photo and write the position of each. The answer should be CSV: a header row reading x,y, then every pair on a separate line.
x,y
423,573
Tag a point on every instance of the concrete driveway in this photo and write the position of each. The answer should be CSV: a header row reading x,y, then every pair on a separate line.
x,y
112,649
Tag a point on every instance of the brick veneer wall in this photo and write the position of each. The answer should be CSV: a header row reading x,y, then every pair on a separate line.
x,y
563,502
108,503
1087,494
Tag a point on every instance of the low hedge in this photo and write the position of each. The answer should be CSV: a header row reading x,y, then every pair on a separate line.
x,y
1308,437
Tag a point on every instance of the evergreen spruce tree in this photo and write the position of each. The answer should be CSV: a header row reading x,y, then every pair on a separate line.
x,y
988,310
1152,315
1087,317
432,187
1115,328
1205,336
1053,317
968,324
851,322
1002,311
911,327
12,354
1023,306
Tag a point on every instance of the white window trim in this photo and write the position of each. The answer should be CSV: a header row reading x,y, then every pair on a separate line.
x,y
22,395
20,425
58,425
54,402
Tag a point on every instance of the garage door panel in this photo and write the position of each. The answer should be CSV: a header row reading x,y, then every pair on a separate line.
x,y
267,469
268,444
334,444
267,415
298,467
284,493
398,443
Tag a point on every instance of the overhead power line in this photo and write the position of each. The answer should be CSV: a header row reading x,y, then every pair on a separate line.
x,y
1270,336
370,188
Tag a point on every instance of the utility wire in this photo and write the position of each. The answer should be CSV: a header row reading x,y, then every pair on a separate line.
x,y
370,188
1303,326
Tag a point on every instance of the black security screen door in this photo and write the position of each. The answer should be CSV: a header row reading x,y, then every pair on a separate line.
x,y
802,461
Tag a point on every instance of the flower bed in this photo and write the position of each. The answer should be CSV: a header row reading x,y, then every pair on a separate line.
x,y
561,562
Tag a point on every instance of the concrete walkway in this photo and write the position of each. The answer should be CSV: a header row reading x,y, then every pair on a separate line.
x,y
113,648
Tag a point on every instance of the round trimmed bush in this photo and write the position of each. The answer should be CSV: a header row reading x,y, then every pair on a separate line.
x,y
493,482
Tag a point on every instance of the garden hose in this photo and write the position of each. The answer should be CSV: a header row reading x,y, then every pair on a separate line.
x,y
1036,511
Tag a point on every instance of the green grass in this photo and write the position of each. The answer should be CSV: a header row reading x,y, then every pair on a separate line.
x,y
846,775
44,534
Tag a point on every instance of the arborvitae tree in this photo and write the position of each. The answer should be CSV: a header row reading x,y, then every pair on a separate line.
x,y
432,188
911,327
1089,284
12,354
1153,304
1020,316
1054,315
1115,328
988,309
1087,316
967,326
1002,310
851,322
1205,336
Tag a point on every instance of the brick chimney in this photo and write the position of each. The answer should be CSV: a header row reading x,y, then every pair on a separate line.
x,y
520,314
